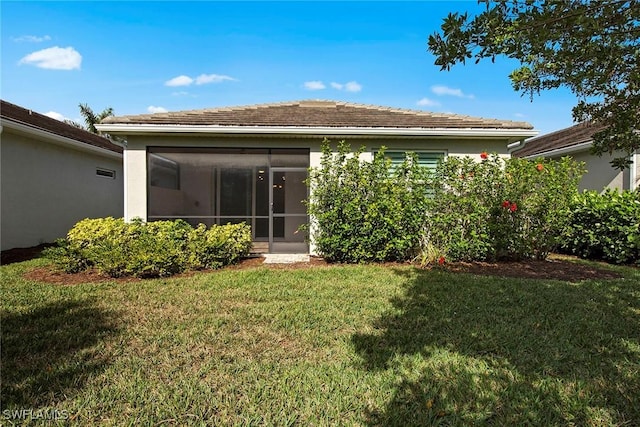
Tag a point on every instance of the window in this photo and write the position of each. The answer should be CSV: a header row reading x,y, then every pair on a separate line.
x,y
106,173
426,159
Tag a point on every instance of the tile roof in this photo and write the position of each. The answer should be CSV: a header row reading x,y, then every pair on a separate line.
x,y
564,138
35,120
317,113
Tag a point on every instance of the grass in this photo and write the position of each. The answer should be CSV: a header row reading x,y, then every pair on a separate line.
x,y
345,345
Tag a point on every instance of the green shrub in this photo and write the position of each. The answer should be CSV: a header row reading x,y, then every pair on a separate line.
x,y
154,249
365,211
605,226
219,245
500,209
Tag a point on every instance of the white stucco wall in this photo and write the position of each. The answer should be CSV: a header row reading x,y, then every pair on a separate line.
x,y
46,188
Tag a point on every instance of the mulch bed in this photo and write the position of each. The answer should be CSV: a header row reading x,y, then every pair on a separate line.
x,y
555,268
558,267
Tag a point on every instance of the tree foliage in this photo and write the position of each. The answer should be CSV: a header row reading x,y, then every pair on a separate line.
x,y
590,46
91,119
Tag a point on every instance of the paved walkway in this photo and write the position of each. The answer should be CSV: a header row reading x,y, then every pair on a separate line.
x,y
285,258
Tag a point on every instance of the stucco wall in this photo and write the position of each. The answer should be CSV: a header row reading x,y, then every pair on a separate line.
x,y
46,188
635,177
600,174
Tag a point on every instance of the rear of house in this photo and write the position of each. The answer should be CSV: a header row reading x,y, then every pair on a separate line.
x,y
251,163
53,175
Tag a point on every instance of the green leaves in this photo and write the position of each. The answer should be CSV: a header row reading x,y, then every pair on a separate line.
x,y
592,47
365,211
605,226
154,249
500,209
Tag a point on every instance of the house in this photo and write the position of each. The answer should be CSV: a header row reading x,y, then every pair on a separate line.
x,y
53,175
250,163
576,141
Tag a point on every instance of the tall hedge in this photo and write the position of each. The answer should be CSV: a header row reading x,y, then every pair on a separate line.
x,y
366,210
499,208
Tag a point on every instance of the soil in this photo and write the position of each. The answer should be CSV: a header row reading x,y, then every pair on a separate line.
x,y
557,267
22,254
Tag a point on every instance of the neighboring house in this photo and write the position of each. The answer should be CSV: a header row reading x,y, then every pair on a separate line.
x,y
250,163
576,141
53,175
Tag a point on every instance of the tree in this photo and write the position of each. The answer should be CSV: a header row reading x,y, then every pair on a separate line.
x,y
91,119
590,46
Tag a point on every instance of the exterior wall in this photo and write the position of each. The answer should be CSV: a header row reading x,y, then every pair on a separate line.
x,y
600,174
635,176
46,188
136,163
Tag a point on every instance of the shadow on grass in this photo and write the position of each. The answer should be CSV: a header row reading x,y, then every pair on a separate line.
x,y
485,350
49,353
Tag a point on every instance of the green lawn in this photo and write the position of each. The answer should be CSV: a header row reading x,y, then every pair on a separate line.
x,y
343,345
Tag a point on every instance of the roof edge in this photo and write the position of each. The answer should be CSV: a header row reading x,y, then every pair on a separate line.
x,y
583,146
58,139
127,129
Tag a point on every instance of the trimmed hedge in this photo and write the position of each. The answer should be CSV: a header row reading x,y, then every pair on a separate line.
x,y
155,249
605,226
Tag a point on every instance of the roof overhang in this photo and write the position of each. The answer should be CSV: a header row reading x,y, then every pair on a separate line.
x,y
55,139
584,146
155,129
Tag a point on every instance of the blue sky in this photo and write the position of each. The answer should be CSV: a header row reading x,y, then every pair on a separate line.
x,y
141,57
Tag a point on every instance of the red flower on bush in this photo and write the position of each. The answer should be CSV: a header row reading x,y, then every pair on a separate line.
x,y
441,260
511,206
540,167
484,155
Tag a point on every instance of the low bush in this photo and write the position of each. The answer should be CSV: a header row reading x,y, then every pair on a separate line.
x,y
155,249
605,226
219,245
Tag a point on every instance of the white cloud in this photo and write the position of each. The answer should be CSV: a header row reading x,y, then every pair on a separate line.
x,y
448,91
314,85
152,109
55,115
353,87
426,102
179,81
180,93
31,39
203,79
54,58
